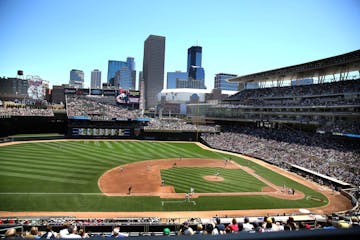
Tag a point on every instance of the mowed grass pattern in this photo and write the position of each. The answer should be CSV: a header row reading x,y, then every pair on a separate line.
x,y
74,166
62,176
235,180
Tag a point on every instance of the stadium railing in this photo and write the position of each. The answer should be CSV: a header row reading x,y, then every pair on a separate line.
x,y
336,234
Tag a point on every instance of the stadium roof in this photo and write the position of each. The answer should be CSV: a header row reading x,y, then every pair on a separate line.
x,y
195,90
344,63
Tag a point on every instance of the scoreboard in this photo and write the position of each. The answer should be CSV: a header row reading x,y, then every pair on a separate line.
x,y
106,132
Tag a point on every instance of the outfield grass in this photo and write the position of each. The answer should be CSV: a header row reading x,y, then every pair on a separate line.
x,y
62,176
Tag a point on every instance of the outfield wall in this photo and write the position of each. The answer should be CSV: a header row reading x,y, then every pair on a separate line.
x,y
32,125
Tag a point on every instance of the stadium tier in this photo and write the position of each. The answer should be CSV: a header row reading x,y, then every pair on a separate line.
x,y
328,107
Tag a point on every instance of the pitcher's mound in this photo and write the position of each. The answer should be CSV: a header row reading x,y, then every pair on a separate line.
x,y
214,178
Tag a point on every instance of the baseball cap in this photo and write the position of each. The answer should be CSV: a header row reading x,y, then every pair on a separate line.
x,y
166,231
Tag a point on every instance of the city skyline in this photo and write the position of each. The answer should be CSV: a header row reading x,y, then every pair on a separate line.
x,y
45,38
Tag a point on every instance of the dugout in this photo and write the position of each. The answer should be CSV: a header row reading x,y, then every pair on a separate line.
x,y
337,184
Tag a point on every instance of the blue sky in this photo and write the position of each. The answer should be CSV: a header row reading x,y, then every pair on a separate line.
x,y
49,38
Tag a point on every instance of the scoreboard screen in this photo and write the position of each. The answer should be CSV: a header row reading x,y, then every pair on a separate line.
x,y
111,132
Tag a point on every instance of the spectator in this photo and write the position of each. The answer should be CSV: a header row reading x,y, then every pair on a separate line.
x,y
10,233
72,232
64,232
34,233
199,229
117,234
219,226
247,226
49,233
185,229
232,227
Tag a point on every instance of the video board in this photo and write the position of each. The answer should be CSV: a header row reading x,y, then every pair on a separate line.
x,y
108,132
128,97
36,90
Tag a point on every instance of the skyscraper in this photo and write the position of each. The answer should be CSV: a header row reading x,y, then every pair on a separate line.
x,y
221,83
153,68
141,78
113,67
76,78
172,78
131,65
194,57
122,74
194,68
123,78
95,79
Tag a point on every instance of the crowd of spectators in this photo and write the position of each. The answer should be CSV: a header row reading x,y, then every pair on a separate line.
x,y
175,124
213,226
98,108
26,111
323,94
267,224
57,221
25,107
287,146
342,127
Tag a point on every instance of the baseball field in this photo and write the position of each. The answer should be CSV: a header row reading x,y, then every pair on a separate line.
x,y
147,176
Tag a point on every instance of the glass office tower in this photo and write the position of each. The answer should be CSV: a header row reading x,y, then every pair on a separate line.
x,y
172,77
194,68
122,74
113,67
123,79
194,57
76,78
221,83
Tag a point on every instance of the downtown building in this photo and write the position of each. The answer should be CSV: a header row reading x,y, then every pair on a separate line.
x,y
176,79
194,77
76,78
122,74
196,73
153,69
95,79
221,83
